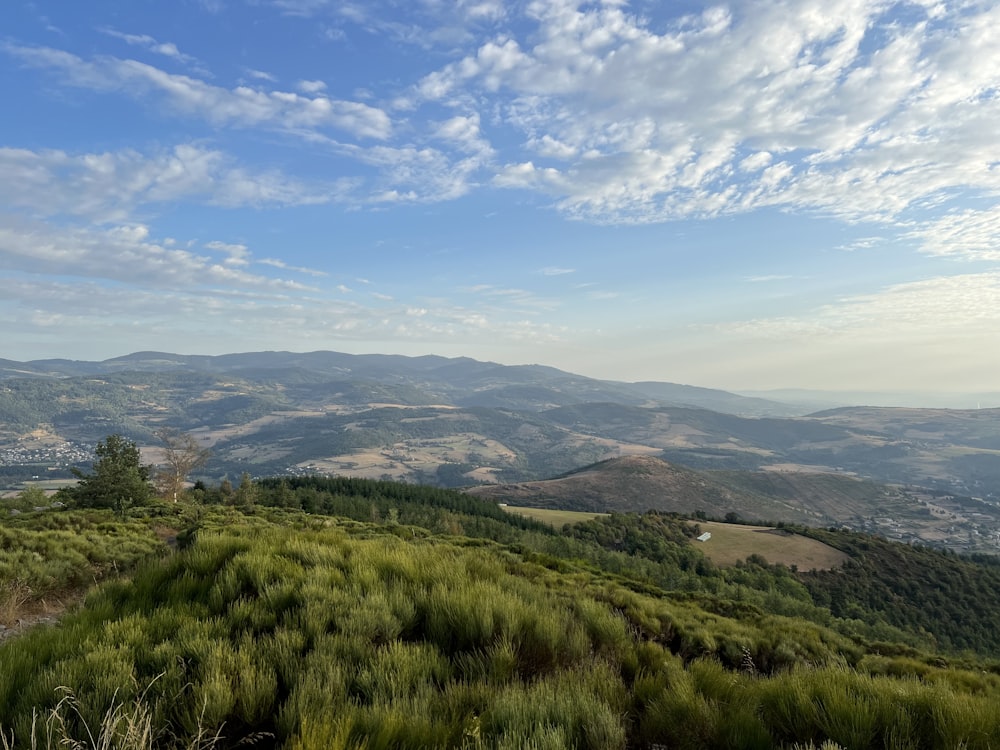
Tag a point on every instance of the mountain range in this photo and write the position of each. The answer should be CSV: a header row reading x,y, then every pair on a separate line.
x,y
459,381
461,422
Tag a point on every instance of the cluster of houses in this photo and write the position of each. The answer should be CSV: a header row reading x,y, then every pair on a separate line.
x,y
53,457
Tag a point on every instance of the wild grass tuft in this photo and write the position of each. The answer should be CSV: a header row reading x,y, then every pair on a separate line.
x,y
124,725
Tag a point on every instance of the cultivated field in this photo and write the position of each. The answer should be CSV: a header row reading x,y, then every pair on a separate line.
x,y
556,518
731,543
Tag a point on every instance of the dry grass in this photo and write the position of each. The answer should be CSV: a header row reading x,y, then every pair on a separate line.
x,y
14,596
731,543
127,725
409,460
556,518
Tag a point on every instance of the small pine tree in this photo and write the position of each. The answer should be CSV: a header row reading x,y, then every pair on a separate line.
x,y
119,480
247,494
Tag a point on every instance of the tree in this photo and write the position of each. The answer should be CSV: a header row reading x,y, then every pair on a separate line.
x,y
247,494
29,498
181,456
119,479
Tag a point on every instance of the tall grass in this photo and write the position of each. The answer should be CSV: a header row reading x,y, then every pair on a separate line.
x,y
347,636
48,556
125,725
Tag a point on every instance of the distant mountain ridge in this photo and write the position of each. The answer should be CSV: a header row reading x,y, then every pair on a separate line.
x,y
461,380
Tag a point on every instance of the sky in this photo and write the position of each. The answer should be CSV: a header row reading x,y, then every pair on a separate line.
x,y
741,195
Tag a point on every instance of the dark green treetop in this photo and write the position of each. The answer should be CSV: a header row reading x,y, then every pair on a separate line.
x,y
119,480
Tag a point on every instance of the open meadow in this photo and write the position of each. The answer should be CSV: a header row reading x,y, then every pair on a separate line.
x,y
554,518
731,543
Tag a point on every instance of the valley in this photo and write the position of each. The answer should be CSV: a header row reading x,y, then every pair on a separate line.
x,y
518,434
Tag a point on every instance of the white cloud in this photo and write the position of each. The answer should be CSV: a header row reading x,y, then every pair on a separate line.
x,y
549,147
176,301
483,9
261,75
168,49
107,187
300,7
932,309
861,109
124,254
862,243
556,271
756,161
311,87
240,107
970,234
428,24
464,132
413,173
276,263
936,334
496,299
768,278
236,255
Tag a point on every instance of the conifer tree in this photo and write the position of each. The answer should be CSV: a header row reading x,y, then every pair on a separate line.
x,y
118,481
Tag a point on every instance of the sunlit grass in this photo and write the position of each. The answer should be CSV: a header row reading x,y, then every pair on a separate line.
x,y
556,518
327,634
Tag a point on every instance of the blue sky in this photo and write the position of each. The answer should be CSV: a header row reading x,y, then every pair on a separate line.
x,y
743,195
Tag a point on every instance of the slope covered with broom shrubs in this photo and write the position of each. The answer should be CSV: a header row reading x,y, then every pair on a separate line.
x,y
349,614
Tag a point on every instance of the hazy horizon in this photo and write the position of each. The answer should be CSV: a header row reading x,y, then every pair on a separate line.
x,y
747,196
819,398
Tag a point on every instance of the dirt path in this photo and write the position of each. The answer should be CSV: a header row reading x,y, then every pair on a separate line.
x,y
26,623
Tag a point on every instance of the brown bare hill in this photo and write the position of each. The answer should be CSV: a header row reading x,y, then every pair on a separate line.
x,y
641,483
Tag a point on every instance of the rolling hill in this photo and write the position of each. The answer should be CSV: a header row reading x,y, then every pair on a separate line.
x,y
640,483
458,422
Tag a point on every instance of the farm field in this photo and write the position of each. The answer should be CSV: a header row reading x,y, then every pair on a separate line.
x,y
731,543
556,518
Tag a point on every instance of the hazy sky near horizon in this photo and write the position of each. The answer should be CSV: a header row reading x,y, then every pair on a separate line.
x,y
745,195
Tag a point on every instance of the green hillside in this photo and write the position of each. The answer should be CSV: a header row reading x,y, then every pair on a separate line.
x,y
327,613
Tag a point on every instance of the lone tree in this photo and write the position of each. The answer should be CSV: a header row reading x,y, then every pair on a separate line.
x,y
181,456
119,480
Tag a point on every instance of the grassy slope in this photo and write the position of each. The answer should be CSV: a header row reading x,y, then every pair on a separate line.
x,y
325,632
51,558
